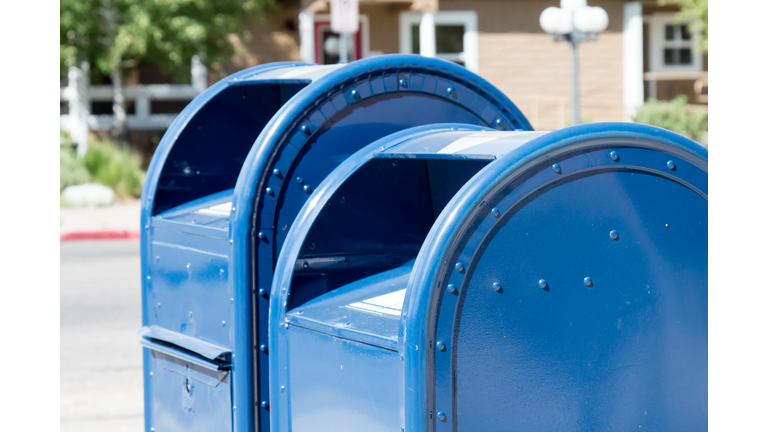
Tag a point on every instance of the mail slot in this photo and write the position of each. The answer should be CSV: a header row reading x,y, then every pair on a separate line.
x,y
223,190
455,277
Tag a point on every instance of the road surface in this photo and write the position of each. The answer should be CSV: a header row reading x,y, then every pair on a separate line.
x,y
101,380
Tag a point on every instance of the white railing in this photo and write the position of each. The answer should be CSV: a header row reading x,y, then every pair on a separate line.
x,y
79,95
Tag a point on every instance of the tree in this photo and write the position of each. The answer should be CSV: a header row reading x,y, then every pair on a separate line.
x,y
697,10
116,34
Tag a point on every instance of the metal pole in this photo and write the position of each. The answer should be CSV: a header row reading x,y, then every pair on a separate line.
x,y
576,118
343,48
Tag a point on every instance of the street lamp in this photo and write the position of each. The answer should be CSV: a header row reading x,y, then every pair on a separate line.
x,y
574,22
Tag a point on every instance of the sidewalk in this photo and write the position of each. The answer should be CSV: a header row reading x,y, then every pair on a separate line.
x,y
120,220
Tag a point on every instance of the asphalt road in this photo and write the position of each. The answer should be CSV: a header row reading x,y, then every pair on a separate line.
x,y
101,379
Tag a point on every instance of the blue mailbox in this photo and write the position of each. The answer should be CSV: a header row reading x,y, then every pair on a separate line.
x,y
452,277
222,193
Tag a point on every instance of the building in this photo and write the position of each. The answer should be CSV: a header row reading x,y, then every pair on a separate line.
x,y
644,53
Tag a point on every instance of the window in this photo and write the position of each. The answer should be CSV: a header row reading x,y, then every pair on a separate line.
x,y
455,36
672,45
327,42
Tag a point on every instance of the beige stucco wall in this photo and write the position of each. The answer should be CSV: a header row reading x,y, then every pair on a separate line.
x,y
535,72
270,41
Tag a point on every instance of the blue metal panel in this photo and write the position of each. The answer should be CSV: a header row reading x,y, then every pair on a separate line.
x,y
552,320
188,293
348,386
627,351
185,395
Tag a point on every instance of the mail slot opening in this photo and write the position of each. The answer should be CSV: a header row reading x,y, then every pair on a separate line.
x,y
210,152
375,221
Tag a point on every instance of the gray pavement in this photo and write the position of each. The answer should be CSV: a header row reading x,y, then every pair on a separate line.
x,y
101,379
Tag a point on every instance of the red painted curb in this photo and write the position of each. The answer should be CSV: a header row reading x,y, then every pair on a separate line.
x,y
100,235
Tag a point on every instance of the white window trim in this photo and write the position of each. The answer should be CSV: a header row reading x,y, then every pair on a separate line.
x,y
656,24
468,19
365,33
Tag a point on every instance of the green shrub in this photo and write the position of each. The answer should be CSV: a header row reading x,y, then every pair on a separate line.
x,y
116,167
71,169
675,116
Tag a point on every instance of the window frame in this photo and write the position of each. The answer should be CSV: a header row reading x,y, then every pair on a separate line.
x,y
468,19
657,40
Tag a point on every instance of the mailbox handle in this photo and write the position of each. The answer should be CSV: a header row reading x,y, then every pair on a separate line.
x,y
187,348
186,356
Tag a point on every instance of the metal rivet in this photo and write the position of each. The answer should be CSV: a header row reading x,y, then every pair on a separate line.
x,y
441,416
588,282
277,173
543,284
440,346
497,287
262,236
190,314
299,180
307,189
270,192
265,404
355,94
450,90
305,130
495,212
460,267
221,272
451,288
282,389
263,348
403,83
615,156
159,305
263,293
497,122
189,265
223,323
556,168
233,209
149,277
671,165
614,234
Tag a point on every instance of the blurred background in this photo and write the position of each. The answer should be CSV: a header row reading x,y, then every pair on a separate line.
x,y
128,68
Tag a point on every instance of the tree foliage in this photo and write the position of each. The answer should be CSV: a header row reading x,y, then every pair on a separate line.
x,y
113,34
674,115
697,10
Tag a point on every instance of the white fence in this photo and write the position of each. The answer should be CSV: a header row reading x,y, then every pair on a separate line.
x,y
79,94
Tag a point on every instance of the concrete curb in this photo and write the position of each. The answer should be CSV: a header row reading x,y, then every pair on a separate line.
x,y
100,235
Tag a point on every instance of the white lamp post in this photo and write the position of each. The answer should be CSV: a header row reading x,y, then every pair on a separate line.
x,y
574,22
